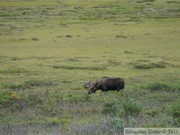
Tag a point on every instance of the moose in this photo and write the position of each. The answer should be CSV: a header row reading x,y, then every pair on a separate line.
x,y
105,84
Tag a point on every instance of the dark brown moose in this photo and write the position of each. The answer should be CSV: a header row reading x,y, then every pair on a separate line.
x,y
105,84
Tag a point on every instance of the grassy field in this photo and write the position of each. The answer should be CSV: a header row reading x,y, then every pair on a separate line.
x,y
48,49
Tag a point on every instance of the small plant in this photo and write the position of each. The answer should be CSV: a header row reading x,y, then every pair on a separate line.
x,y
172,1
144,1
175,111
13,86
5,14
77,98
79,68
35,99
53,121
10,100
34,38
143,66
161,86
14,70
26,84
132,107
64,121
149,0
149,65
111,108
114,62
116,124
121,36
69,36
47,110
128,52
159,65
131,121
5,97
33,83
152,112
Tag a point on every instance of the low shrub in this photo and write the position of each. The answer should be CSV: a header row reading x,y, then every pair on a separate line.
x,y
105,126
31,83
128,52
152,112
175,111
116,124
111,108
143,66
5,14
79,68
5,96
144,1
14,70
69,36
35,38
13,86
9,100
26,84
47,110
159,65
162,86
132,107
113,62
173,1
121,36
35,99
149,65
77,98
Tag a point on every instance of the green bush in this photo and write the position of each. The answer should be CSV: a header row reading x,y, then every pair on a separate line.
x,y
5,97
34,99
79,68
144,1
152,112
116,123
9,101
25,85
149,65
76,98
14,70
143,66
162,86
13,86
47,110
33,83
62,121
5,14
35,38
149,0
111,108
132,107
175,111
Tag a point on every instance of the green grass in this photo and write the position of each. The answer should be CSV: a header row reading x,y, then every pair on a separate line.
x,y
48,50
79,68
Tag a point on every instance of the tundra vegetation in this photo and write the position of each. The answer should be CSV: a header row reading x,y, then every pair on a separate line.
x,y
49,49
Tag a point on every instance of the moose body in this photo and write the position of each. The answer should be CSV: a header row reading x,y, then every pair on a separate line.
x,y
105,84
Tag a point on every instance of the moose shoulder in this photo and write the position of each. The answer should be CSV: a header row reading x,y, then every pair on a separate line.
x,y
105,84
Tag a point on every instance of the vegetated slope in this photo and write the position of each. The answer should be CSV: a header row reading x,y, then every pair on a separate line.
x,y
49,49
